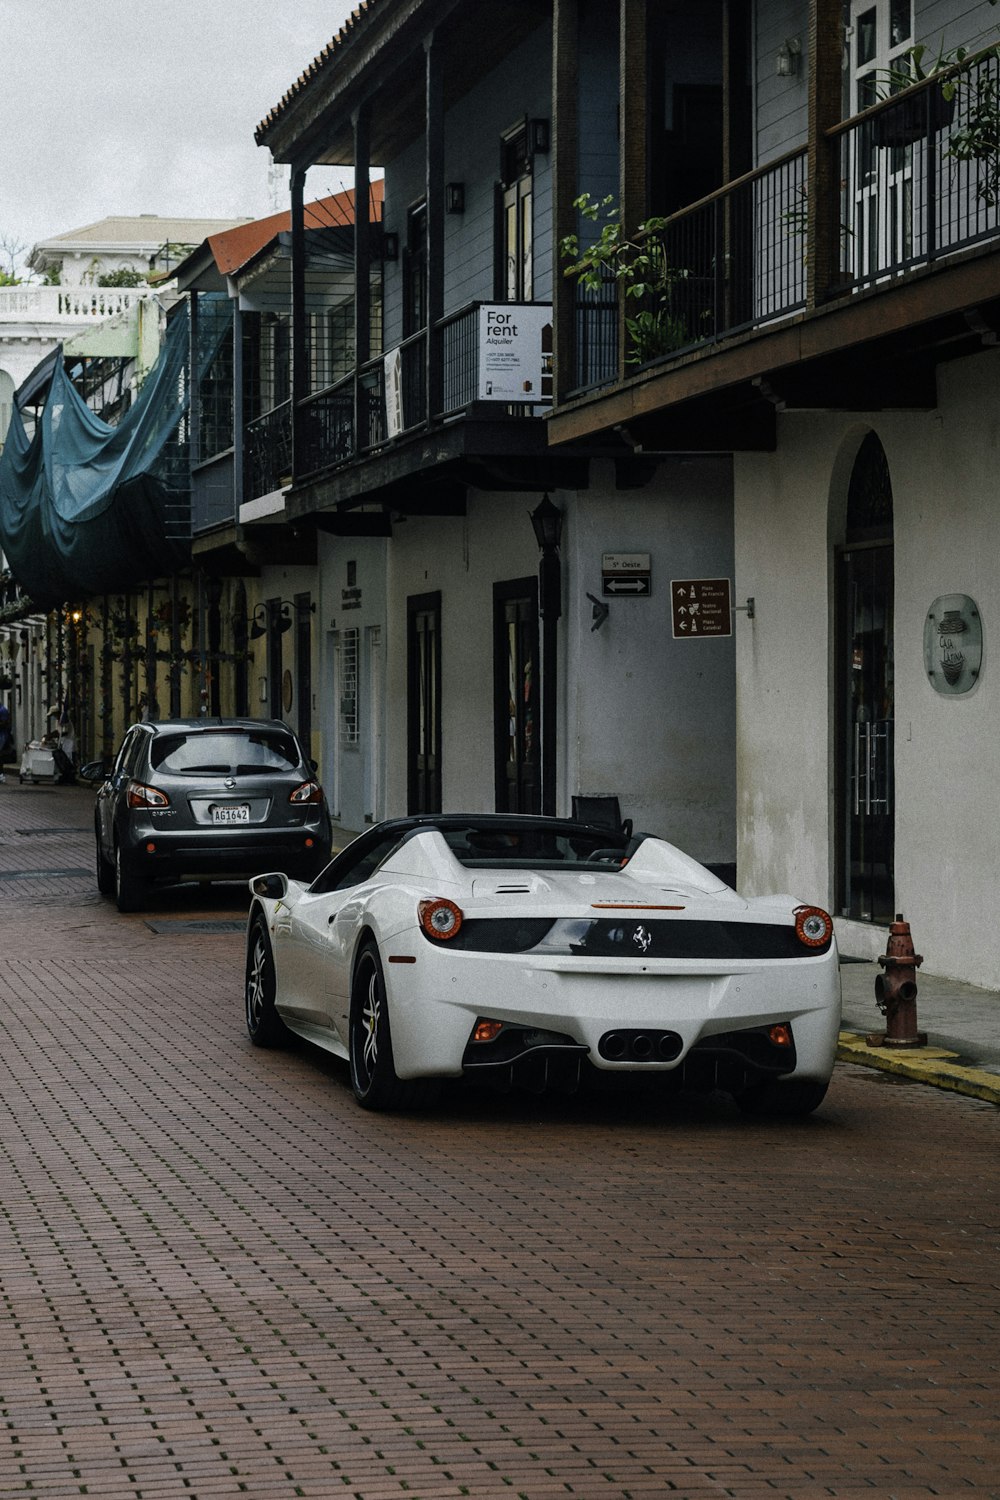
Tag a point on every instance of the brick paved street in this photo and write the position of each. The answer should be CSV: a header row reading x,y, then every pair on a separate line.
x,y
220,1278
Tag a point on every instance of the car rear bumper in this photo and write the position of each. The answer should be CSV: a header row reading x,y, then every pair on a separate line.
x,y
229,854
689,1012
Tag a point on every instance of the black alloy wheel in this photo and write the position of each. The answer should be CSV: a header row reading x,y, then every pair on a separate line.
x,y
373,1073
264,1026
130,891
105,870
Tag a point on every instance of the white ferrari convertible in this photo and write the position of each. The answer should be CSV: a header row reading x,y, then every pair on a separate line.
x,y
542,953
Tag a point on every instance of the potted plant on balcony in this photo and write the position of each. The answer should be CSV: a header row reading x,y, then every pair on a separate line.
x,y
957,82
640,267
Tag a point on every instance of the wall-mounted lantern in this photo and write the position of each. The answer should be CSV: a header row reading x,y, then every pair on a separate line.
x,y
539,136
454,197
786,62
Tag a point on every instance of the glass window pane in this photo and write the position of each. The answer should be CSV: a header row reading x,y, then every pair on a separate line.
x,y
866,36
900,23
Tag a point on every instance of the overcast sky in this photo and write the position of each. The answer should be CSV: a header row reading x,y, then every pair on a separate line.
x,y
110,107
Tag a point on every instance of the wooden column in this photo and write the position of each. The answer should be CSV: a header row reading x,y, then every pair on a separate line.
x,y
434,190
825,103
362,267
565,185
300,331
633,117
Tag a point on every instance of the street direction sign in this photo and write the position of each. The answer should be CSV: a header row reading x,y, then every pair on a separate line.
x,y
700,607
626,575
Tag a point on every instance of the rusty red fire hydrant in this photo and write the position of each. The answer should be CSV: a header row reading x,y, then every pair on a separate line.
x,y
896,989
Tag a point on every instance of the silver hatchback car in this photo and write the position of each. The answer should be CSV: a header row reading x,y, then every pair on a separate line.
x,y
208,799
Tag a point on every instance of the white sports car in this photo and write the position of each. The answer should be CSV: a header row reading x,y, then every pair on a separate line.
x,y
538,953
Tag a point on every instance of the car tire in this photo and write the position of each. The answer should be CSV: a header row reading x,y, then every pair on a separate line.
x,y
105,872
265,1027
795,1096
130,891
373,1072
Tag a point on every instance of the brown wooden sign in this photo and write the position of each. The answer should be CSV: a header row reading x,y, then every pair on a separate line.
x,y
700,607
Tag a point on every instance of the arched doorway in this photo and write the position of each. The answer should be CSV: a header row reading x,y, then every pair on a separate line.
x,y
864,677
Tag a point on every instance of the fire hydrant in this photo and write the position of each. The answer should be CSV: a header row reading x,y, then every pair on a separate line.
x,y
896,989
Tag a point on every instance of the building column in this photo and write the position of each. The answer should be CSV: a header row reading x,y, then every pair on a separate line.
x,y
823,192
565,188
434,191
300,332
633,128
361,121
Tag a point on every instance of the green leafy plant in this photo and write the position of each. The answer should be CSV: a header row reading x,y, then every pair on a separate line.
x,y
126,276
971,87
640,267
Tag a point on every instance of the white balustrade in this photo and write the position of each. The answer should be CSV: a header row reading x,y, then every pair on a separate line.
x,y
67,304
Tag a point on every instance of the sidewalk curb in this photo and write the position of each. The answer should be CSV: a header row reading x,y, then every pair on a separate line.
x,y
933,1065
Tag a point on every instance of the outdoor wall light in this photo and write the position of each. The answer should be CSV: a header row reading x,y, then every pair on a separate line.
x,y
258,627
390,245
454,198
546,522
538,137
786,62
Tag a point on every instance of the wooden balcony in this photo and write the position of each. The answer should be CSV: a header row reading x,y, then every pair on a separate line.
x,y
745,329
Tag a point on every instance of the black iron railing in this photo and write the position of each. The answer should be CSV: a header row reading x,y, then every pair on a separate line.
x,y
267,452
919,178
389,395
920,173
732,261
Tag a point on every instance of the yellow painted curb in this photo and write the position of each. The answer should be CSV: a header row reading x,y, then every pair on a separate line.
x,y
930,1065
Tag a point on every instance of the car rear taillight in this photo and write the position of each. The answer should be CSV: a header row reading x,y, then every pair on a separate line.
x,y
309,791
813,926
140,795
440,919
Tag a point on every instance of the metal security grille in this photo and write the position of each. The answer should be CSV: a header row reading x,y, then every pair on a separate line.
x,y
347,686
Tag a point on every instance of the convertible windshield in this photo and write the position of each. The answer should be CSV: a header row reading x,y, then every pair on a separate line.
x,y
224,752
539,846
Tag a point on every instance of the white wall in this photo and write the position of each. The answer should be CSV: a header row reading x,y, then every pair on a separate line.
x,y
649,718
640,715
943,466
462,558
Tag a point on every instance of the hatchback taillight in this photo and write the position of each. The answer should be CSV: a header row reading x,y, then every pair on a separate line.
x,y
309,791
140,795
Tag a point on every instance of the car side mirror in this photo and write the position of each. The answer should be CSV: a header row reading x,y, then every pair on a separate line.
x,y
272,886
94,770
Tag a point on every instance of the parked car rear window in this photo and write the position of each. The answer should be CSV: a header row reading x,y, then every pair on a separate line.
x,y
224,752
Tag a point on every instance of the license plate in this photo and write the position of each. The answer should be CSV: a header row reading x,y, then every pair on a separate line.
x,y
238,812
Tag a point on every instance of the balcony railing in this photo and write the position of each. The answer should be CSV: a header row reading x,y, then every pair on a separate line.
x,y
736,261
67,304
908,195
267,452
388,397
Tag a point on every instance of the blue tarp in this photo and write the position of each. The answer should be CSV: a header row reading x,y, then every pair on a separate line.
x,y
86,508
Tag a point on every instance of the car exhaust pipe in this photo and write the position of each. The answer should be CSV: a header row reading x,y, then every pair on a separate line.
x,y
642,1046
614,1046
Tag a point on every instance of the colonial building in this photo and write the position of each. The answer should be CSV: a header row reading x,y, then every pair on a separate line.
x,y
494,611
830,318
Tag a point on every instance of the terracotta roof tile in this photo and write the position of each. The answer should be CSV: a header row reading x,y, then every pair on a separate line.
x,y
316,66
232,248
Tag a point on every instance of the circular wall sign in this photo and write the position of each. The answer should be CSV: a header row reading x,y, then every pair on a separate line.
x,y
286,690
953,643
